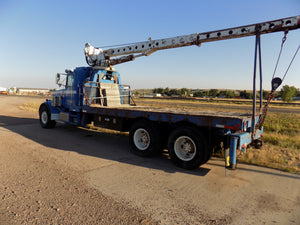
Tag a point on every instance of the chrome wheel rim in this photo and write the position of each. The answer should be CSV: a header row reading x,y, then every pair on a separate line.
x,y
141,139
185,148
44,117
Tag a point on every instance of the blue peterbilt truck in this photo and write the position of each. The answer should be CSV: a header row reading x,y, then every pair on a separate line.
x,y
95,95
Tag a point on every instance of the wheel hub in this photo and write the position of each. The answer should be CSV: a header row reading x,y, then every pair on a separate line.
x,y
141,139
185,148
44,117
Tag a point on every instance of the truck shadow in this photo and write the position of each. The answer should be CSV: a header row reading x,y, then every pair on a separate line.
x,y
108,146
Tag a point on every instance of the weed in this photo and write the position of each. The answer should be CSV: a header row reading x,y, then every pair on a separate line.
x,y
272,156
281,148
280,123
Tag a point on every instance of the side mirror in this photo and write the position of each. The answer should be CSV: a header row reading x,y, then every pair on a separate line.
x,y
58,79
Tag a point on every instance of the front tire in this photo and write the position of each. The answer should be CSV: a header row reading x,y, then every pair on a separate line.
x,y
188,148
144,139
45,117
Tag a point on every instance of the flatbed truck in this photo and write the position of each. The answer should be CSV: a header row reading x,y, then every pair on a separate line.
x,y
95,95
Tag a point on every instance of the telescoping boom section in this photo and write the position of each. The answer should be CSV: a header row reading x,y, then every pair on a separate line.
x,y
108,57
95,96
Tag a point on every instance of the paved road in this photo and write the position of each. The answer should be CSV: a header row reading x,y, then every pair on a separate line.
x,y
153,186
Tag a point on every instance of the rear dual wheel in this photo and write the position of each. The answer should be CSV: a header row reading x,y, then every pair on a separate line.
x,y
188,148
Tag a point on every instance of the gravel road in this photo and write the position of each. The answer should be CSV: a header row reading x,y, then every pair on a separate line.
x,y
69,175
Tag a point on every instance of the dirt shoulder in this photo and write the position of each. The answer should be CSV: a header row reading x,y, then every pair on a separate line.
x,y
36,190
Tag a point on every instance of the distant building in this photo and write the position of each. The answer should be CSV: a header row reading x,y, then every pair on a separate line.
x,y
29,91
12,90
296,98
152,95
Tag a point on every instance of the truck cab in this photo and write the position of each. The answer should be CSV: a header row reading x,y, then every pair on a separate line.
x,y
83,86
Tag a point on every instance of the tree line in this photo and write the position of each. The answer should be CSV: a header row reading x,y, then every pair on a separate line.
x,y
286,93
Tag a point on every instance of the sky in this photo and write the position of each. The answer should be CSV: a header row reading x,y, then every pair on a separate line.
x,y
42,38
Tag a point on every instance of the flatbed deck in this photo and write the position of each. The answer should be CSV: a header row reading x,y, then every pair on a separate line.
x,y
209,118
176,111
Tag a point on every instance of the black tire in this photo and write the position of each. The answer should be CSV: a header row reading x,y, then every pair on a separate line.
x,y
188,148
45,117
145,139
208,153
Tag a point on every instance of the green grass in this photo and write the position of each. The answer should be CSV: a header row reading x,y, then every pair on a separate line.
x,y
282,123
283,130
283,141
281,149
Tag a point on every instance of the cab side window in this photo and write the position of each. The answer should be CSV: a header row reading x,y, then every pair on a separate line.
x,y
70,81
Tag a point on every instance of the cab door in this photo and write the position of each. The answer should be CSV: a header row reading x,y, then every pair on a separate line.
x,y
69,91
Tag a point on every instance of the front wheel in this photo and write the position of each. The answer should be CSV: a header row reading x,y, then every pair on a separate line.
x,y
45,117
188,148
144,138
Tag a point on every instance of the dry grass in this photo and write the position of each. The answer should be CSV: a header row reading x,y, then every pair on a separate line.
x,y
281,149
191,105
30,107
213,101
272,156
104,130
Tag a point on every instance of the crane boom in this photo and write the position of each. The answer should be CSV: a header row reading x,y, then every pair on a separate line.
x,y
109,57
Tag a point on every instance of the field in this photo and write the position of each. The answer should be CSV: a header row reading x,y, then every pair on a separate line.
x,y
281,149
